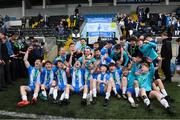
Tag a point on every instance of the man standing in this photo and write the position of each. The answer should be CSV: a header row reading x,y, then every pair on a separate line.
x,y
1,69
166,54
6,52
14,67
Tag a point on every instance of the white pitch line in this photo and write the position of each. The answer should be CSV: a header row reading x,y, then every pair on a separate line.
x,y
30,116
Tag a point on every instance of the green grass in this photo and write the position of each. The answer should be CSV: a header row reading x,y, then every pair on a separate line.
x,y
116,108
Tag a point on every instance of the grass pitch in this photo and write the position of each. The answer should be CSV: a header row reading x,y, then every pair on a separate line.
x,y
116,109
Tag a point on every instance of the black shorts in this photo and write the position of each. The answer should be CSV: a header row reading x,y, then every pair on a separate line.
x,y
147,93
156,75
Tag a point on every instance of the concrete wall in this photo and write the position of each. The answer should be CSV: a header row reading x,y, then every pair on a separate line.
x,y
47,11
16,12
96,8
105,9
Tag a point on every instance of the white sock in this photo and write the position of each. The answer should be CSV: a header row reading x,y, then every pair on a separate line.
x,y
124,90
137,92
44,93
164,92
161,95
130,99
107,95
94,92
55,93
176,32
66,96
90,94
24,97
51,90
84,95
91,98
62,96
115,91
146,101
158,88
164,103
35,95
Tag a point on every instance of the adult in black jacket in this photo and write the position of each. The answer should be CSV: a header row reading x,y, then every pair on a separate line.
x,y
2,79
166,54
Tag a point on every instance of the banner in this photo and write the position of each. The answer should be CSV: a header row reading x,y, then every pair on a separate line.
x,y
138,1
102,27
99,20
101,34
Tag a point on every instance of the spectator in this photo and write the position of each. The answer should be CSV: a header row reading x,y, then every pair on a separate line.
x,y
65,24
20,49
1,21
23,22
166,54
72,21
14,61
6,18
27,23
2,81
177,27
6,52
60,28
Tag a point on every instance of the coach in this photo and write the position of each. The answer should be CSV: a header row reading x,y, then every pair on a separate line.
x,y
166,54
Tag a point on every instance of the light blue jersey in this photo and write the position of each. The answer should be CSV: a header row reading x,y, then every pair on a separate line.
x,y
130,79
77,78
62,58
34,77
148,50
117,57
88,76
103,77
61,78
47,77
88,62
116,75
145,79
106,61
135,68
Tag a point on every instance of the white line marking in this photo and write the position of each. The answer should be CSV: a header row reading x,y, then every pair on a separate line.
x,y
27,115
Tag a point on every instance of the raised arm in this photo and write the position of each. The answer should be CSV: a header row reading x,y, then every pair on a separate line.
x,y
125,58
26,62
150,44
70,60
151,70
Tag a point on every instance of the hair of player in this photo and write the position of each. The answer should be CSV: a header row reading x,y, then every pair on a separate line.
x,y
111,64
71,44
125,68
58,61
47,62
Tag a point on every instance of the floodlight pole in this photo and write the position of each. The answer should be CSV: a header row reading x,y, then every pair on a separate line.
x,y
44,4
90,2
23,8
167,2
114,2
